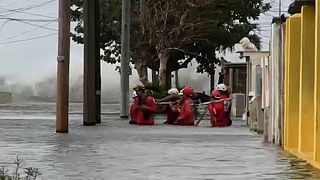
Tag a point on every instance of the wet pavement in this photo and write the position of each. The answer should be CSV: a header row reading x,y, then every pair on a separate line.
x,y
117,150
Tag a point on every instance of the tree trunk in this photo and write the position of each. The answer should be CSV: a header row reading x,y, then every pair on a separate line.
x,y
142,72
211,82
176,78
155,78
168,79
145,74
163,56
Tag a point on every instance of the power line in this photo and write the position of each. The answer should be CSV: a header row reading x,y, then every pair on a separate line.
x,y
260,34
31,24
38,26
28,8
29,39
275,11
25,32
3,24
15,3
33,14
28,20
261,30
35,6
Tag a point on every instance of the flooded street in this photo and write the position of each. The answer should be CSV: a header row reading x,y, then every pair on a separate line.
x,y
117,150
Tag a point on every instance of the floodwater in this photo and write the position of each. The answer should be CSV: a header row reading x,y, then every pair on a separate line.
x,y
117,150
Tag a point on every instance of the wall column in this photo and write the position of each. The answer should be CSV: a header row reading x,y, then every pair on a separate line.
x,y
293,82
317,84
286,87
306,92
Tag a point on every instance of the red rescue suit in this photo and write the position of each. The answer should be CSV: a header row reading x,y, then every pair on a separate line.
x,y
145,113
186,117
133,111
172,114
218,117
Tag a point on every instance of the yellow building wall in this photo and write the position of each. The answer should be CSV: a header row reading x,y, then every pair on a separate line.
x,y
317,84
302,85
293,82
286,86
306,92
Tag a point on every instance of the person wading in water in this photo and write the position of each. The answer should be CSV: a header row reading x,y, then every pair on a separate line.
x,y
144,108
186,117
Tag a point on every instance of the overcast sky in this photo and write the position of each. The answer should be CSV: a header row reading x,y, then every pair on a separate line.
x,y
30,61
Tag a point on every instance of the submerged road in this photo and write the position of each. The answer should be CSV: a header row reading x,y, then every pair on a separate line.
x,y
117,150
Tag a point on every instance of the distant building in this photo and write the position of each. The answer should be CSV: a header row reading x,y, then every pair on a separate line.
x,y
235,76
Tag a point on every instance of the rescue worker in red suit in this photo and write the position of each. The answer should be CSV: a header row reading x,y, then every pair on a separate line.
x,y
224,94
143,111
173,109
186,117
218,117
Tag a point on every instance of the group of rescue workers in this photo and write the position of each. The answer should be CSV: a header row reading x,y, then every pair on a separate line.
x,y
179,107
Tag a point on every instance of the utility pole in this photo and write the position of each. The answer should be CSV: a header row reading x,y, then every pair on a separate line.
x,y
89,87
63,67
97,61
212,82
280,7
125,58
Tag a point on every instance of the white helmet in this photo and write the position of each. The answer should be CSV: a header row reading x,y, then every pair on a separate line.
x,y
173,91
134,94
222,87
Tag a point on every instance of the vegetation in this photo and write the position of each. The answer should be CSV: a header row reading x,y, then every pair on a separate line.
x,y
166,35
20,172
